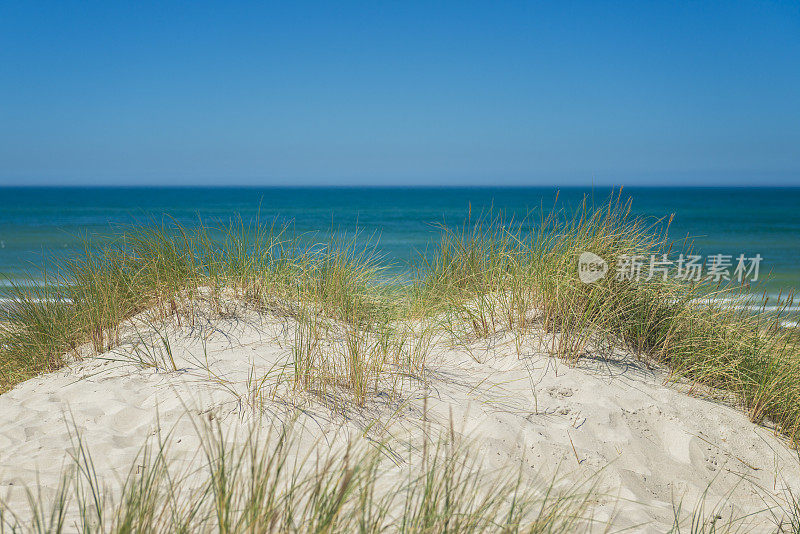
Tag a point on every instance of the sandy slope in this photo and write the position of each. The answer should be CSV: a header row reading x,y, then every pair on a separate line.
x,y
652,444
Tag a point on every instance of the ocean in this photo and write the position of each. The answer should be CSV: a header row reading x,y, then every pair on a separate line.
x,y
39,224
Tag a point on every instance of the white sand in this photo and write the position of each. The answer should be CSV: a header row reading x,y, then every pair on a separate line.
x,y
653,444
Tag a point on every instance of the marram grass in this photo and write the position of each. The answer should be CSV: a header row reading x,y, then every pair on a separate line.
x,y
490,276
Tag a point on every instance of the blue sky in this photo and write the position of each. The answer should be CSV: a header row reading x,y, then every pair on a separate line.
x,y
373,93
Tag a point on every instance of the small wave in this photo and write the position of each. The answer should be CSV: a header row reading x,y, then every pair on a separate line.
x,y
4,300
750,303
19,282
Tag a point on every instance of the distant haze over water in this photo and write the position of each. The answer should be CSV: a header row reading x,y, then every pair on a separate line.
x,y
38,223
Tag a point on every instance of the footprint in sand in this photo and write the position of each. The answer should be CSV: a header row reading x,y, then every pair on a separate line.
x,y
560,392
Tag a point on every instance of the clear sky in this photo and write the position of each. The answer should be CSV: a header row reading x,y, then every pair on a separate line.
x,y
491,93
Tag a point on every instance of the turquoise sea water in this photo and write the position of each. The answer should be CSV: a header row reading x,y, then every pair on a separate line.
x,y
36,224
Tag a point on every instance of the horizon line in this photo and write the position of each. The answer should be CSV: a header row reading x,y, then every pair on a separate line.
x,y
397,186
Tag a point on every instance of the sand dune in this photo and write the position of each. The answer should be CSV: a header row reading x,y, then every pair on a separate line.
x,y
608,420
